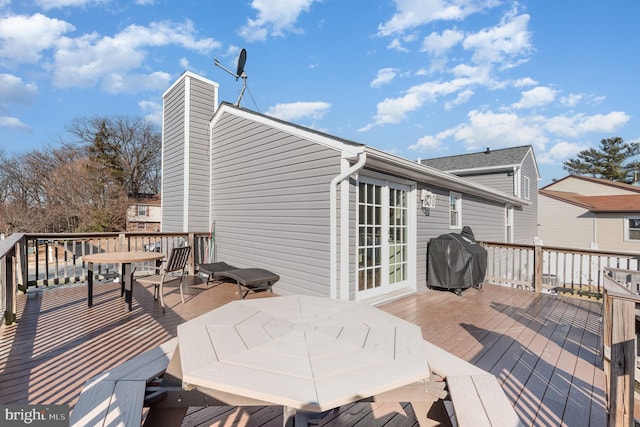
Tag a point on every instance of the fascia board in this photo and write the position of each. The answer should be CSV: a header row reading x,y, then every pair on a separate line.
x,y
406,168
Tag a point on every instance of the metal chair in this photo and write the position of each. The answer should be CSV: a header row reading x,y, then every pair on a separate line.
x,y
177,261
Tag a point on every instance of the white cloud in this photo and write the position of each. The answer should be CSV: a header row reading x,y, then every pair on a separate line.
x,y
396,44
525,81
275,17
134,82
152,111
507,41
92,60
535,97
560,152
394,110
14,90
498,129
56,4
384,76
462,98
24,38
427,142
508,129
438,44
581,124
13,123
299,110
413,13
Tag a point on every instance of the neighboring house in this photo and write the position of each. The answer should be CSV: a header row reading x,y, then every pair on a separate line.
x,y
144,213
332,217
590,213
511,170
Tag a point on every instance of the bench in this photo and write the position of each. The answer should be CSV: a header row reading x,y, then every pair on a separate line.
x,y
116,397
476,397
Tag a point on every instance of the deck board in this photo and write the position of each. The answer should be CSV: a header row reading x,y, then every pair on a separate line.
x,y
543,349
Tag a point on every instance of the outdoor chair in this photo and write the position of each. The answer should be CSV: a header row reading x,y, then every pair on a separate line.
x,y
209,269
251,279
176,262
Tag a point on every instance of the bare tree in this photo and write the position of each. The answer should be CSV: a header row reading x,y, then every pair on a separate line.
x,y
129,146
60,190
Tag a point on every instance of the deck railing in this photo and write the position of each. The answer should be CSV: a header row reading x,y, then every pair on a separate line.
x,y
554,269
619,348
43,259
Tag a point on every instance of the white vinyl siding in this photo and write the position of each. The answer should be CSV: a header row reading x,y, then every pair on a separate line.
x,y
565,225
587,188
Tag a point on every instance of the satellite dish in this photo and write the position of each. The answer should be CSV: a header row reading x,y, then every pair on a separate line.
x,y
242,59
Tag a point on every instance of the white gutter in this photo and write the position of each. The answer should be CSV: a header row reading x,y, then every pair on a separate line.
x,y
333,222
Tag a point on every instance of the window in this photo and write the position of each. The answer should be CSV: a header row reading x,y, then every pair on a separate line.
x,y
527,187
632,228
455,210
142,210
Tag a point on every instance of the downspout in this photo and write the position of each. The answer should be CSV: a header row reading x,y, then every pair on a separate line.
x,y
333,222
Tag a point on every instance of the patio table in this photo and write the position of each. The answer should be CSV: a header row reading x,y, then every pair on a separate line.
x,y
308,354
125,259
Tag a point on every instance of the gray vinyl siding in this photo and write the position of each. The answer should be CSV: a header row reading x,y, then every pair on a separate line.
x,y
173,162
202,107
525,221
499,180
270,203
485,218
193,99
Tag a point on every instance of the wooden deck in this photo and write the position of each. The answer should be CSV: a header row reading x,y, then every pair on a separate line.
x,y
543,349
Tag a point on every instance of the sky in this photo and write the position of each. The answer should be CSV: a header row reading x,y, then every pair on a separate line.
x,y
417,78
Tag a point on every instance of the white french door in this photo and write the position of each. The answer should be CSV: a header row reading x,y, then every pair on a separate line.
x,y
384,244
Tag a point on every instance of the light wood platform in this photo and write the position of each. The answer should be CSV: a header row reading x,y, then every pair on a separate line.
x,y
543,349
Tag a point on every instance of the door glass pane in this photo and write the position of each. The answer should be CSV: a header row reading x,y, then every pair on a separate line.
x,y
369,236
397,233
383,248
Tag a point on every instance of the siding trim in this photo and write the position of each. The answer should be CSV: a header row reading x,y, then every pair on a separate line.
x,y
187,159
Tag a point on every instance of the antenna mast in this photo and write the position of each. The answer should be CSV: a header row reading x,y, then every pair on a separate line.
x,y
239,74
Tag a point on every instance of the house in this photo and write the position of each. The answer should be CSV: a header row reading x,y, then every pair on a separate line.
x,y
590,213
511,170
144,213
331,216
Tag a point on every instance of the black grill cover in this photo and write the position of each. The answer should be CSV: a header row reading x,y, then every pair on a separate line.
x,y
456,261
